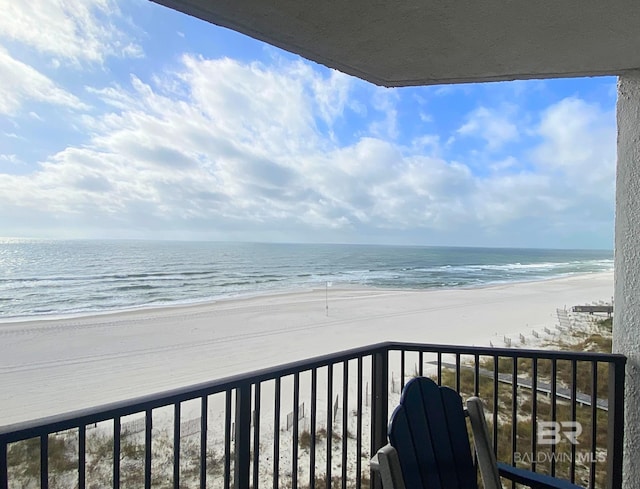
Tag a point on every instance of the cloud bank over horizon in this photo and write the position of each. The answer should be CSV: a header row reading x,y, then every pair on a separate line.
x,y
219,137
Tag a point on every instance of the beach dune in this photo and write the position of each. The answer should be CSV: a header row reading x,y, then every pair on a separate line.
x,y
53,366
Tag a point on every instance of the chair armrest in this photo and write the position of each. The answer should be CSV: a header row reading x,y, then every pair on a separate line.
x,y
386,463
533,479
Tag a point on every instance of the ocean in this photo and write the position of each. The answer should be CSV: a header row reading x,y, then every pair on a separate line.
x,y
51,278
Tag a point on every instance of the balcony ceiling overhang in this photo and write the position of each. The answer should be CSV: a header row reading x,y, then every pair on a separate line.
x,y
425,42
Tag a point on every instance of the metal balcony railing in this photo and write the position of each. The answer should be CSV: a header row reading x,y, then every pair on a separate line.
x,y
315,423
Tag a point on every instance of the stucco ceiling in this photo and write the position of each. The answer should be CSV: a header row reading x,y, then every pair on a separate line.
x,y
423,42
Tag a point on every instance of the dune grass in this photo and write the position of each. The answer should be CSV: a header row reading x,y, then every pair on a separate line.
x,y
597,338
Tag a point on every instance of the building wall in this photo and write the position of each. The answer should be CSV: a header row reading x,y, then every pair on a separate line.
x,y
626,327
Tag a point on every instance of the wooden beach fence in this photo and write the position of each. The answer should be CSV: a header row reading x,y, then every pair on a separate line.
x,y
132,427
591,309
563,319
190,427
291,416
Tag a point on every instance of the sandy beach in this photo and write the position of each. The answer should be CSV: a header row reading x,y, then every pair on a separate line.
x,y
54,366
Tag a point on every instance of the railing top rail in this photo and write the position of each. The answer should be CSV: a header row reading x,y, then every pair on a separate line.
x,y
614,358
95,414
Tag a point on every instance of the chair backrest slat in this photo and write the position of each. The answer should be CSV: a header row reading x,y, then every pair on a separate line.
x,y
459,437
428,430
433,406
416,471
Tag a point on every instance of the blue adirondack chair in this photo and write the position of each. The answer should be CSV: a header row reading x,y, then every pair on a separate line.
x,y
429,445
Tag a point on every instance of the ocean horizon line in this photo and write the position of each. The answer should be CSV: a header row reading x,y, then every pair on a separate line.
x,y
301,243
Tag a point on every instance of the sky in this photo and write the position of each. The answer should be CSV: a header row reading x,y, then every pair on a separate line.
x,y
125,119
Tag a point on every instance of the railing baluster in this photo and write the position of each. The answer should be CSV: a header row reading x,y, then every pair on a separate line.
x,y
359,427
554,409
4,466
574,402
402,362
204,415
44,461
329,423
421,360
534,413
294,438
116,452
276,435
227,440
496,362
242,438
82,455
176,445
313,427
476,375
148,453
594,424
256,436
514,408
345,419
458,372
379,400
439,367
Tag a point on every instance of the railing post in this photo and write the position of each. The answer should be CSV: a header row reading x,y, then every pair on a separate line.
x,y
615,433
242,437
4,466
379,404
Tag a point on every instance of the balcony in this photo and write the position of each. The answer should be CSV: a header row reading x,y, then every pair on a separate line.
x,y
316,423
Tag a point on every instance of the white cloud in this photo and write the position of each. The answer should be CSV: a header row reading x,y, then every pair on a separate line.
x,y
578,145
10,158
71,31
20,82
384,102
331,94
494,126
508,163
243,150
224,147
570,184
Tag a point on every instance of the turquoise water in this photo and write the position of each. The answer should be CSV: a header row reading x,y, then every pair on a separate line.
x,y
51,277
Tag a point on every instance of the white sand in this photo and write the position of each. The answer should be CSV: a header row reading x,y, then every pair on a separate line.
x,y
54,366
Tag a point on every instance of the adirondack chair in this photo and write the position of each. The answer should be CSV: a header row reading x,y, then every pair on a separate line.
x,y
429,445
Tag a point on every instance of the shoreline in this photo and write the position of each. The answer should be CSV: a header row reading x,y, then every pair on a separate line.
x,y
52,366
276,292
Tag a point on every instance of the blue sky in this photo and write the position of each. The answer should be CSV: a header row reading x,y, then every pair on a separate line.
x,y
129,120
